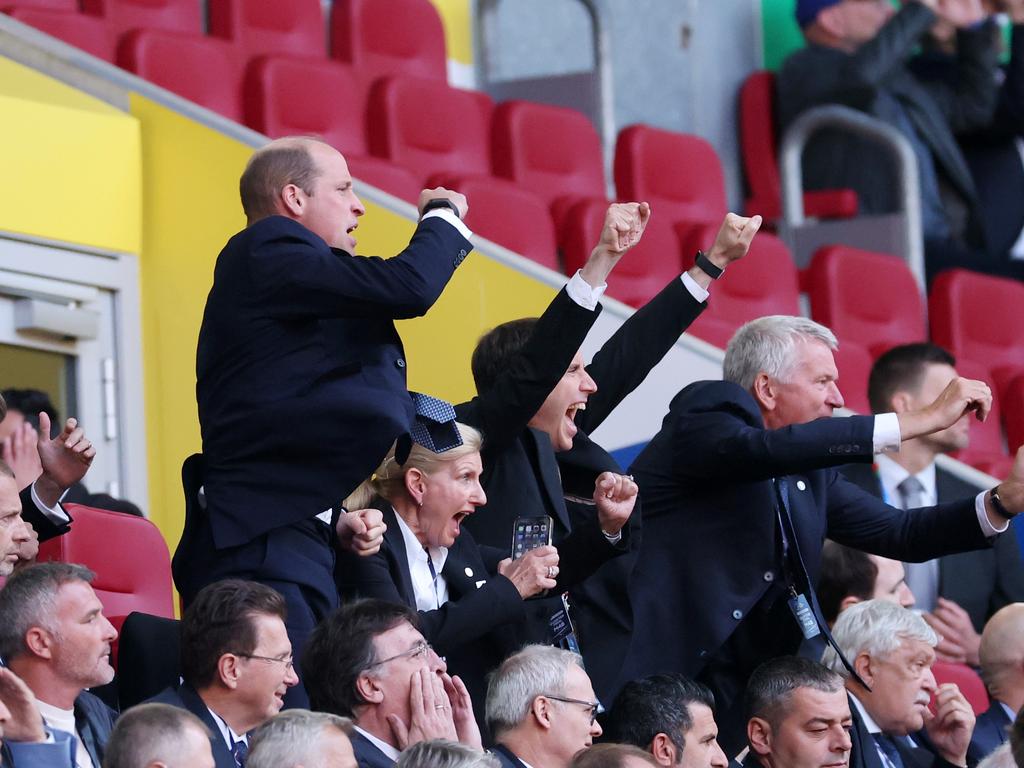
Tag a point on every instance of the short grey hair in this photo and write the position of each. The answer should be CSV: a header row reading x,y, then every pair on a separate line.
x,y
767,345
293,738
150,733
877,628
521,678
29,599
441,753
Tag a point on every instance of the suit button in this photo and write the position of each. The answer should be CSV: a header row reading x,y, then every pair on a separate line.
x,y
769,576
702,653
801,485
460,258
831,449
400,363
737,615
856,448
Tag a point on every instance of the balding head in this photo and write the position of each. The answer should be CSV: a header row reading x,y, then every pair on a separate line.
x,y
281,162
1002,655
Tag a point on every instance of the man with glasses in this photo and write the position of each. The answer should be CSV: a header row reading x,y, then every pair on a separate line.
x,y
541,708
236,663
369,662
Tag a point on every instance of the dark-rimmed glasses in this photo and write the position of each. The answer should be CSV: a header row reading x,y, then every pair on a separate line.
x,y
594,706
417,651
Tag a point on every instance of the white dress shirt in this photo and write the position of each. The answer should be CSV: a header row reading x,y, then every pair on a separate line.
x,y
430,594
383,746
64,720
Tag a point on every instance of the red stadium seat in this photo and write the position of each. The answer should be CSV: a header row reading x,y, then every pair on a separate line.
x,y
552,151
764,282
389,37
53,5
385,176
868,298
981,318
169,15
639,276
1013,414
967,680
428,127
198,68
677,173
509,215
854,364
985,451
77,29
127,553
270,27
759,151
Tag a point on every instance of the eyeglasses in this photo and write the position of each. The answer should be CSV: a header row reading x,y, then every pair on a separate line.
x,y
288,661
594,706
418,651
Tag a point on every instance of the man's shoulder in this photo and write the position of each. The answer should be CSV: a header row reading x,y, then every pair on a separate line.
x,y
710,395
94,709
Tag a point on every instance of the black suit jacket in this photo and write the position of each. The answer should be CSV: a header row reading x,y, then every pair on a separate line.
x,y
44,526
982,581
710,549
94,721
865,753
506,757
367,755
185,696
524,476
990,731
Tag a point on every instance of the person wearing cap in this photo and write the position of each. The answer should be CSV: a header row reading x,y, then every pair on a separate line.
x,y
470,597
856,55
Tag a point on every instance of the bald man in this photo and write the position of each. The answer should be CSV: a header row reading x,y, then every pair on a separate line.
x,y
1002,667
301,378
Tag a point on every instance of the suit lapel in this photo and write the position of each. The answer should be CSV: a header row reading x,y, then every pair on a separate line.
x,y
543,457
87,731
864,753
367,754
396,542
460,574
222,756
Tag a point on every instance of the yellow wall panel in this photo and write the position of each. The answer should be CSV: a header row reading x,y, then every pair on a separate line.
x,y
458,29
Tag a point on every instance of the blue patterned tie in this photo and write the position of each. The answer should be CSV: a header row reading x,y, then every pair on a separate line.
x,y
238,751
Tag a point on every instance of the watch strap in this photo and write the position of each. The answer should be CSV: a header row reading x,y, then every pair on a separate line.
x,y
704,265
441,202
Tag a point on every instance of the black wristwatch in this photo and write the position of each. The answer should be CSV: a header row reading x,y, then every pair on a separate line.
x,y
441,202
704,265
997,504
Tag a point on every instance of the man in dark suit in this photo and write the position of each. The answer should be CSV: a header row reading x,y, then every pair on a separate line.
x,y
739,492
236,663
1002,669
541,708
54,636
538,457
301,379
368,661
958,592
154,735
797,715
891,650
856,56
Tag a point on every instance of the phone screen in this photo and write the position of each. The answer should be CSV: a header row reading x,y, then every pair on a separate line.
x,y
530,533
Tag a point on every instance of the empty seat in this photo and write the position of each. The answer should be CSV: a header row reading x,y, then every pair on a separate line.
x,y
510,216
169,15
1013,414
865,297
967,680
554,152
642,273
985,451
764,282
389,37
428,127
981,318
198,68
270,27
853,362
86,32
759,152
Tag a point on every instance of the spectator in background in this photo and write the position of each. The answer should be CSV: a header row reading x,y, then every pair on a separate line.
x,y
892,651
25,742
798,715
14,533
236,663
612,756
849,576
670,716
857,56
54,636
445,754
369,662
298,738
541,708
1002,669
158,736
958,592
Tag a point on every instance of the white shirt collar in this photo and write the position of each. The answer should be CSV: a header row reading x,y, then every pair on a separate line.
x,y
892,474
383,746
226,731
423,584
869,722
1009,712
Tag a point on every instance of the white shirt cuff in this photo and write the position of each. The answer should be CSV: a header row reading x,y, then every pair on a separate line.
x,y
583,293
613,538
451,218
986,525
55,513
886,435
700,294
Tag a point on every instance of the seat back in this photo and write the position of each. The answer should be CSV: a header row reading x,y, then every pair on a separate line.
x,y
1013,414
967,680
554,152
149,658
169,15
865,297
853,361
78,29
270,27
389,37
986,437
758,145
428,127
680,175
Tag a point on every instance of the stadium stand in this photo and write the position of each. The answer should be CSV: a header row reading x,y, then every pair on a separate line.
x,y
267,28
126,15
969,682
1013,414
78,29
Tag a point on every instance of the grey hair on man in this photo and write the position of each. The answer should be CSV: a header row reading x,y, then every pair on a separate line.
x,y
768,345
877,628
772,684
441,753
294,738
521,678
29,599
151,734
